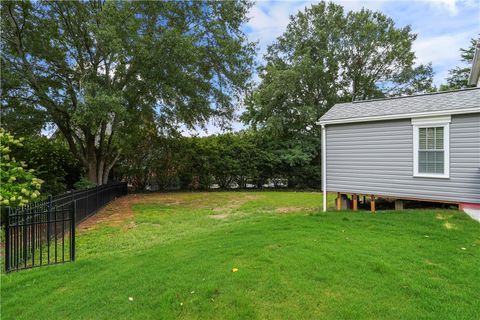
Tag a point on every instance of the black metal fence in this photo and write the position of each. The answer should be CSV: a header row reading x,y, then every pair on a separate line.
x,y
43,233
92,199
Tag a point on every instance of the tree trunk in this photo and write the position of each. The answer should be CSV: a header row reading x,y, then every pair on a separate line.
x,y
97,160
92,159
92,172
98,171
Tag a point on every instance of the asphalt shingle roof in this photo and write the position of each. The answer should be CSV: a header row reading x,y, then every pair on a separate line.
x,y
441,101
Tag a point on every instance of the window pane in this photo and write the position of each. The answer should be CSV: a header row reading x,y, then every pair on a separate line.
x,y
431,162
439,138
422,161
430,158
430,138
423,138
439,161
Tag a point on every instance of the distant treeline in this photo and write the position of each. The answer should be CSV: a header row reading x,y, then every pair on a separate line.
x,y
233,160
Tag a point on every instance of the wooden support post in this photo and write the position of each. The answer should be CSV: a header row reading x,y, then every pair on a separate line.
x,y
372,203
355,202
339,201
364,200
399,205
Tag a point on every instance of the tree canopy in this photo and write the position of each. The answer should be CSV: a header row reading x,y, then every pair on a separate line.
x,y
327,55
458,76
100,70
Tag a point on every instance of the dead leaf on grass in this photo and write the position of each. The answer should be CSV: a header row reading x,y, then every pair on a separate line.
x,y
290,209
219,216
442,216
449,225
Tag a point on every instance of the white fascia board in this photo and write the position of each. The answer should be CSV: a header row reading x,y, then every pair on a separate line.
x,y
423,121
401,116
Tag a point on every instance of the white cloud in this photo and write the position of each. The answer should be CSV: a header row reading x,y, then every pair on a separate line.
x,y
268,20
452,6
442,51
353,5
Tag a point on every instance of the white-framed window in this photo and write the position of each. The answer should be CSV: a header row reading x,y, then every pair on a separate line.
x,y
431,147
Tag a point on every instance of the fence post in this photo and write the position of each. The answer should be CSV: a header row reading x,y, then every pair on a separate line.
x,y
7,240
49,206
49,226
24,234
32,231
72,231
96,192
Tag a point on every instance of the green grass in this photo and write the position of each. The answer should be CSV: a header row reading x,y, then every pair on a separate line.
x,y
293,262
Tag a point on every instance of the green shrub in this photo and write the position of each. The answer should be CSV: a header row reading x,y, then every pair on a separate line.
x,y
19,186
83,183
52,162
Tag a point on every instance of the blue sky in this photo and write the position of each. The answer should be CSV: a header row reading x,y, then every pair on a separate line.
x,y
443,27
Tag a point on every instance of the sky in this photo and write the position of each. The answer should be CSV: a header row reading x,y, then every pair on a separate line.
x,y
442,26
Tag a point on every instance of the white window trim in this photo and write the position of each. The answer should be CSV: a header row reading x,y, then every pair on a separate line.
x,y
444,122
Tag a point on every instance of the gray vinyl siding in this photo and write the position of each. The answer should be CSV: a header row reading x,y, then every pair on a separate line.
x,y
377,158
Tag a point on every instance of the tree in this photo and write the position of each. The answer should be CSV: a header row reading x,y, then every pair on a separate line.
x,y
150,158
458,76
19,185
168,161
138,155
249,157
97,69
327,56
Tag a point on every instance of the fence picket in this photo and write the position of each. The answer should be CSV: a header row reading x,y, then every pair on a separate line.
x,y
7,240
29,228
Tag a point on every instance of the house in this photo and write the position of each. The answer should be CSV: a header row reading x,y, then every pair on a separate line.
x,y
423,147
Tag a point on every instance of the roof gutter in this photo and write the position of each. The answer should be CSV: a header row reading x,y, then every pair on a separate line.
x,y
475,72
400,116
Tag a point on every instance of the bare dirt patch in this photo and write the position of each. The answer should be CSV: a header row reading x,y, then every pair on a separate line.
x,y
165,199
234,204
226,210
430,263
219,216
114,214
291,209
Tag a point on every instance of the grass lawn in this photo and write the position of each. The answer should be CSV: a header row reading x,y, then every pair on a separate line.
x,y
174,255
